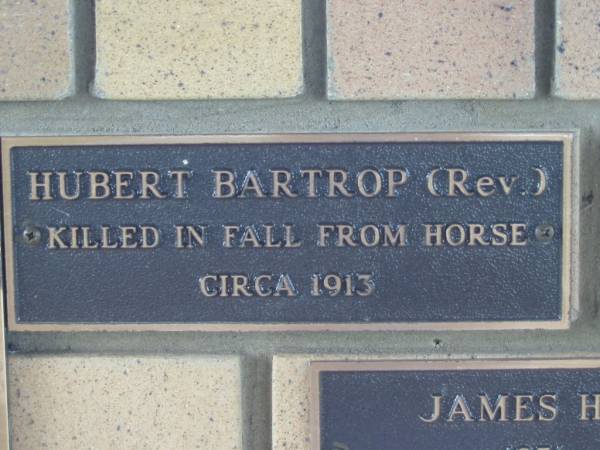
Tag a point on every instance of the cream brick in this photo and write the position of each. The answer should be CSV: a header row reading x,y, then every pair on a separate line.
x,y
430,49
290,403
35,50
101,402
577,61
148,49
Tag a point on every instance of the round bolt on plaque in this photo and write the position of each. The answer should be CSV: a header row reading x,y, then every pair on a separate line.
x,y
544,232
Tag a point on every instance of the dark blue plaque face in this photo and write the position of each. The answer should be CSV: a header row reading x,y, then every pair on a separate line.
x,y
288,232
468,405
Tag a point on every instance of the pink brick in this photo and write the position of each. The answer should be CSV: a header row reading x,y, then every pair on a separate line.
x,y
577,67
430,49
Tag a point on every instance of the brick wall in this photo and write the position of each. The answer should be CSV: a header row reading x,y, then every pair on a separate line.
x,y
149,50
193,67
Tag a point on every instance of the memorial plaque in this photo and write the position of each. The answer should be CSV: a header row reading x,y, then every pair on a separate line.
x,y
456,405
289,232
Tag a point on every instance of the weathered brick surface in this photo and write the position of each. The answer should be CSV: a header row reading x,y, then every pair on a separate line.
x,y
577,58
290,403
185,50
84,401
35,50
430,49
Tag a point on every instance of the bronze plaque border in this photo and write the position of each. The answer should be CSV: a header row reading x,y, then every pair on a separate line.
x,y
570,228
316,367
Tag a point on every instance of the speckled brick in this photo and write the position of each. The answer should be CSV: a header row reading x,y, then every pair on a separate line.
x,y
430,49
35,50
577,60
147,49
101,402
290,403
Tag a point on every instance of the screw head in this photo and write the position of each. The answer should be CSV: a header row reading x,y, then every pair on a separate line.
x,y
32,235
544,232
